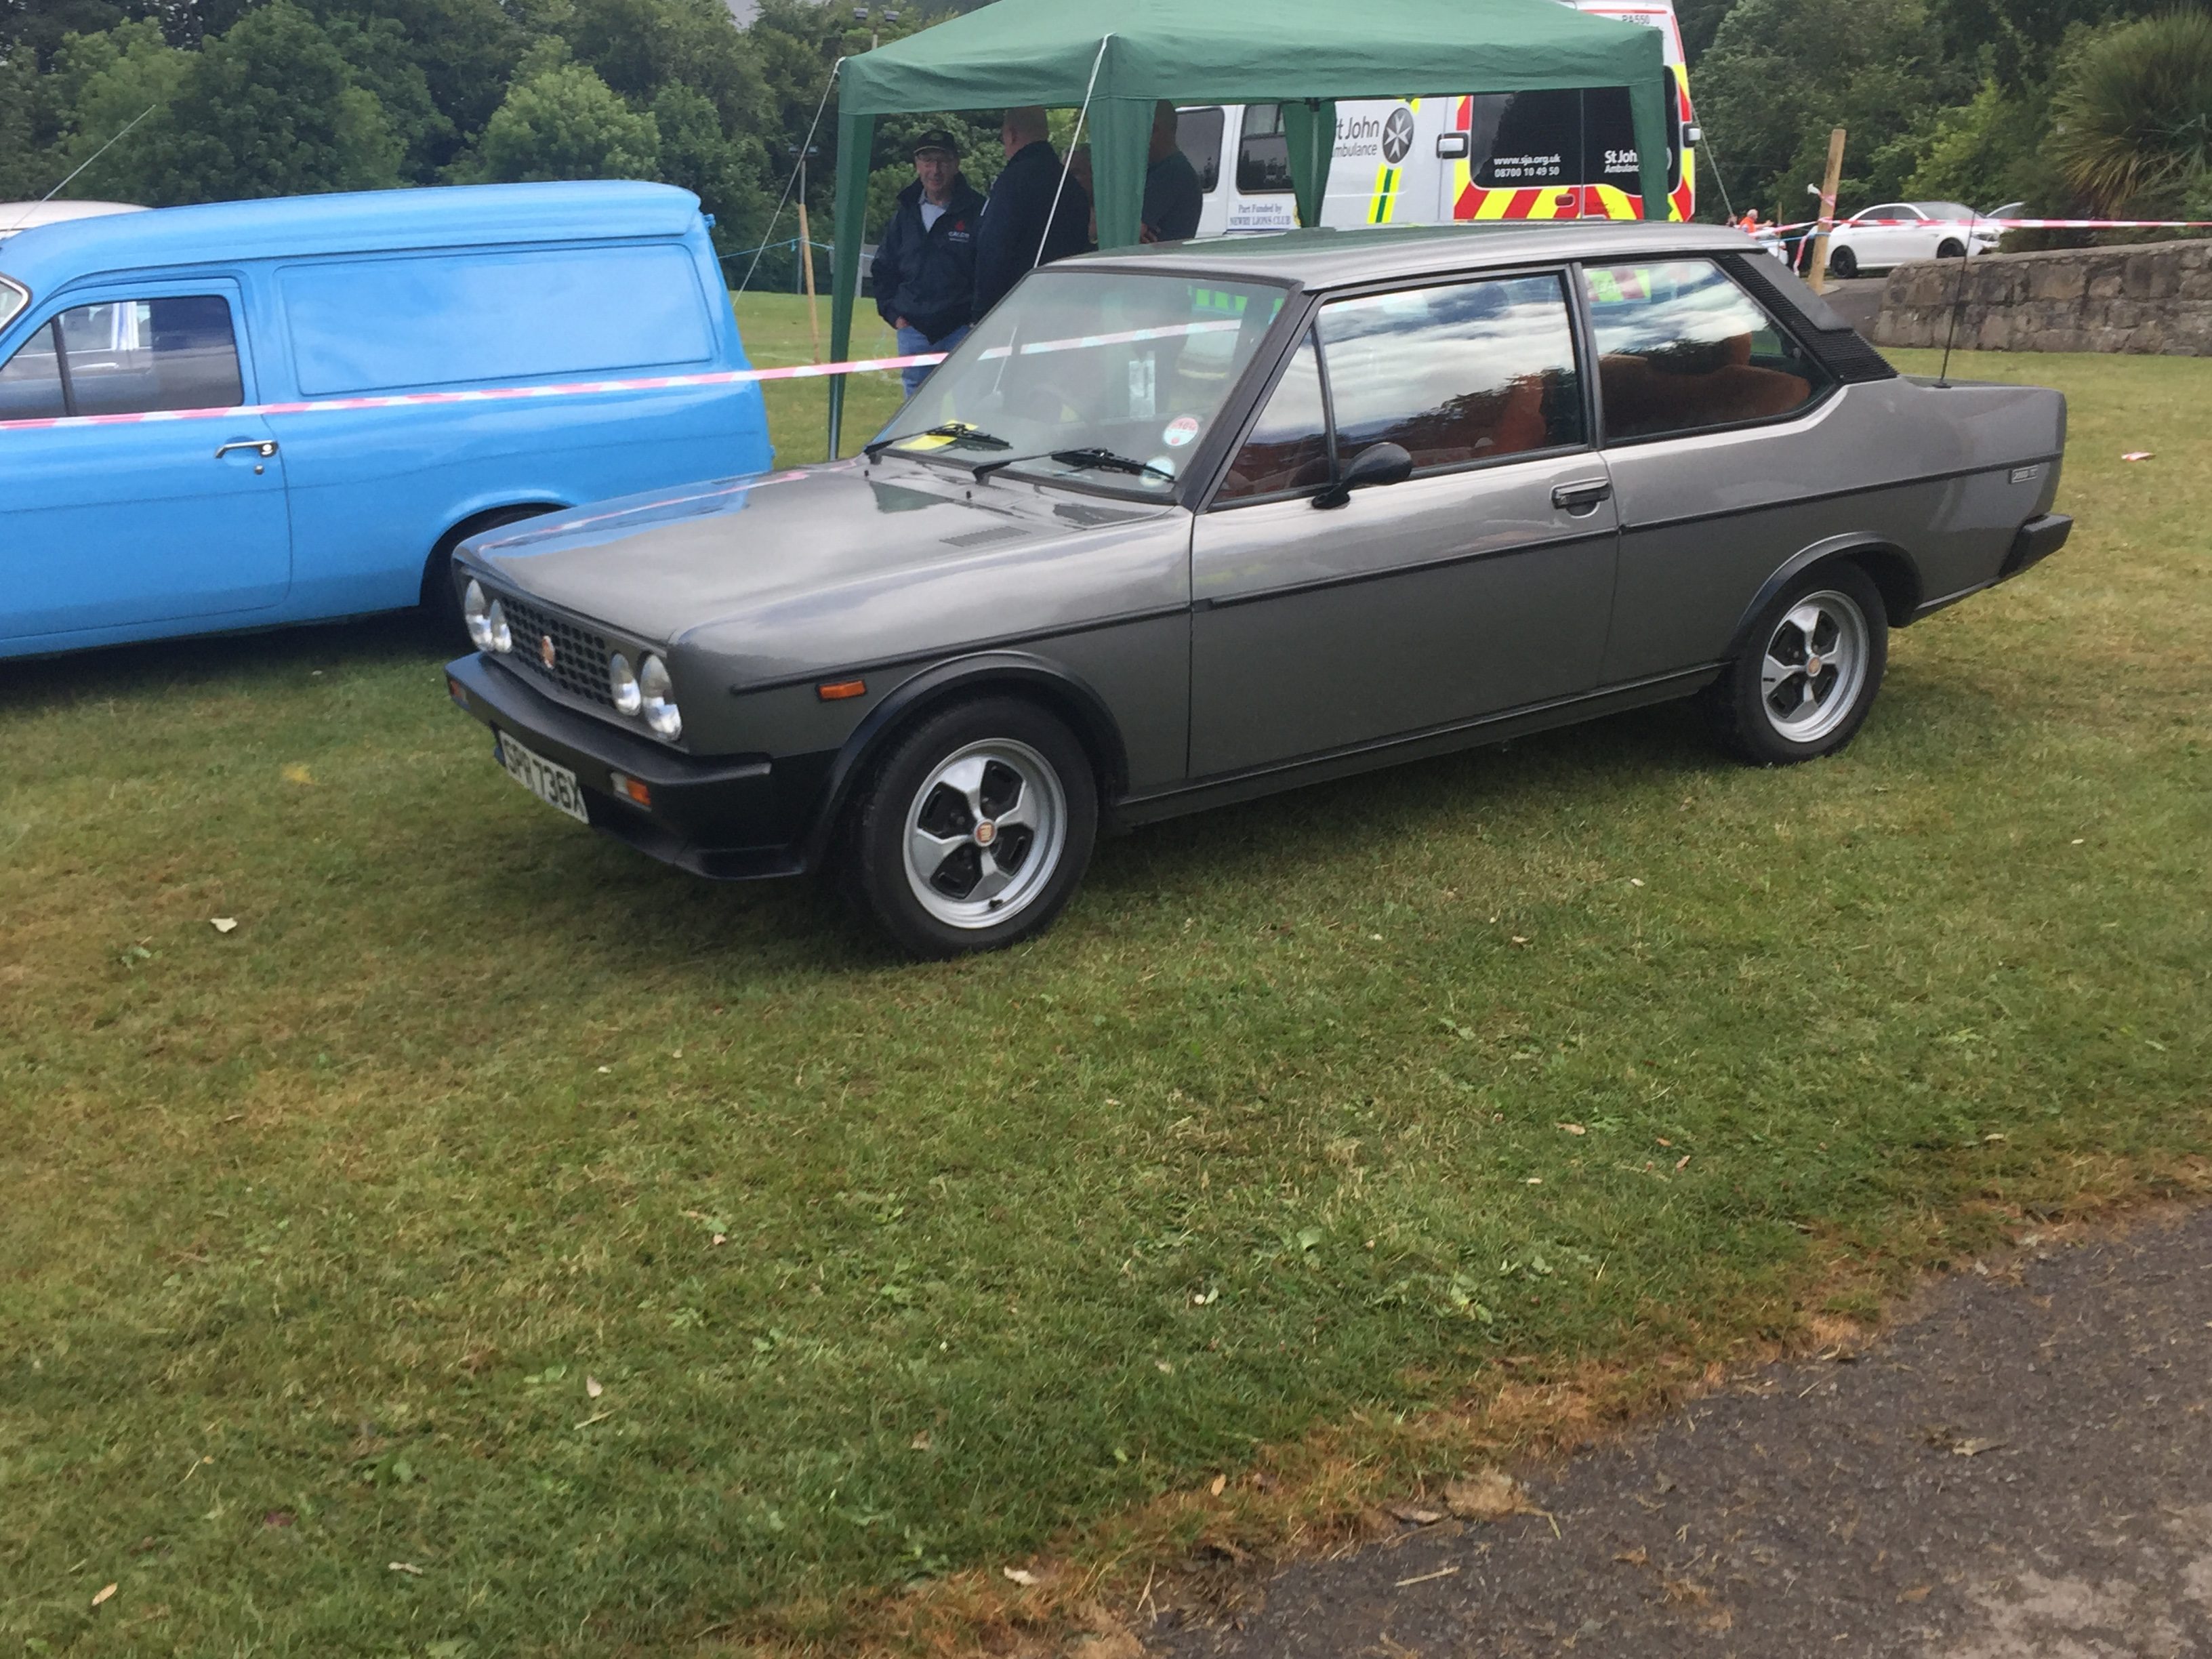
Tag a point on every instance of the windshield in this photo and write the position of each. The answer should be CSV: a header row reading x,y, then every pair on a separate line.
x,y
1103,375
13,298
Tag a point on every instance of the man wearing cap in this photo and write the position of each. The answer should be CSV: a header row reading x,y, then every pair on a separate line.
x,y
925,269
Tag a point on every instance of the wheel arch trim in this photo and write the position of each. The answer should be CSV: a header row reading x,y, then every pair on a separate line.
x,y
1011,670
1887,566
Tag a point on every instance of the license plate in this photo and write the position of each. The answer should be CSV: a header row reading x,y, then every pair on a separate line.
x,y
554,785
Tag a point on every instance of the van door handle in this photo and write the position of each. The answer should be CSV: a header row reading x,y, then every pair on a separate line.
x,y
264,448
1583,495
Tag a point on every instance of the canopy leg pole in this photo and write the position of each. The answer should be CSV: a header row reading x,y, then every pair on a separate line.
x,y
856,137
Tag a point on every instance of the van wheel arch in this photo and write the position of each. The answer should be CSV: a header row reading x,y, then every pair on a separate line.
x,y
438,599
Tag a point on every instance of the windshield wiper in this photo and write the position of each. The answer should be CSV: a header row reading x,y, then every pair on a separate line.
x,y
958,434
1105,459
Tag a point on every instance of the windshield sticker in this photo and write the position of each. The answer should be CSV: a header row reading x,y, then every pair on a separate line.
x,y
1180,431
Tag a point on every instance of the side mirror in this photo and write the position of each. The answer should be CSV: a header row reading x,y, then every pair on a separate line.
x,y
1378,463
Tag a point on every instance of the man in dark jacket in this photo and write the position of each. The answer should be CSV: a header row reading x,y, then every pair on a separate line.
x,y
925,269
1021,206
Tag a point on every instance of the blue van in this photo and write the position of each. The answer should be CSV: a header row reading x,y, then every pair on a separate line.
x,y
349,340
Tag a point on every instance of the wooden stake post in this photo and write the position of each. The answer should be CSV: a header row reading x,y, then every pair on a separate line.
x,y
1817,267
806,262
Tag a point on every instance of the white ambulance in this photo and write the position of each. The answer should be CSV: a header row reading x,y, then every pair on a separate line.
x,y
1561,155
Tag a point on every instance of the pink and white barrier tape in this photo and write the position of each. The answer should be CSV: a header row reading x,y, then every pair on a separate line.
x,y
483,395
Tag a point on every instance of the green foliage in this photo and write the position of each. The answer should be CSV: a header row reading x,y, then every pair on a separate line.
x,y
1782,73
1987,151
562,122
2133,132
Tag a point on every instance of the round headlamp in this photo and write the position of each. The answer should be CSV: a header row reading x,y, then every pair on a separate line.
x,y
476,612
622,685
657,694
502,636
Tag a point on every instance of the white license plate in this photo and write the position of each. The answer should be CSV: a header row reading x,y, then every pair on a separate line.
x,y
554,785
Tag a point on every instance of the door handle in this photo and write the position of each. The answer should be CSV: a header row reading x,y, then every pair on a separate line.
x,y
1582,495
264,448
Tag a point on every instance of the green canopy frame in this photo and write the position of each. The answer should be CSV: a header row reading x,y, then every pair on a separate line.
x,y
1122,56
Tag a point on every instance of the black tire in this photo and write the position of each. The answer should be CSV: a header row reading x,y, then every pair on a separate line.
x,y
441,603
1842,264
1850,645
1027,765
1950,248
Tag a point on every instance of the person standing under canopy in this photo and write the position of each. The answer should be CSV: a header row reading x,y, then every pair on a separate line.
x,y
1173,199
924,268
1021,206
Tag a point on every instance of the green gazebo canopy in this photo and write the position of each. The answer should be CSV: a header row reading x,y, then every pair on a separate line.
x,y
1303,54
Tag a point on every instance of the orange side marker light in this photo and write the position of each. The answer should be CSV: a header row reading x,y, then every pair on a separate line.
x,y
838,690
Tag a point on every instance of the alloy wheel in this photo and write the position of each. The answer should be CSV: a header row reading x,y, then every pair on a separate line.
x,y
984,834
1814,663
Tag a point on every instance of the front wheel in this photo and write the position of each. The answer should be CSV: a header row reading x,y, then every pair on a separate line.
x,y
1842,264
1951,248
1808,674
975,830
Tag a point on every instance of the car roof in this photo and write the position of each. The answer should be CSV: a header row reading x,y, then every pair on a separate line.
x,y
359,221
1335,258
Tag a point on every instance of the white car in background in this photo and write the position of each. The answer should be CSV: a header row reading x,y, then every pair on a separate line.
x,y
1913,230
23,215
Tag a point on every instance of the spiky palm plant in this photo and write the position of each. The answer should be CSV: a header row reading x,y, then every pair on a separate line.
x,y
2133,113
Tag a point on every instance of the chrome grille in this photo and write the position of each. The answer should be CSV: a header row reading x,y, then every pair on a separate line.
x,y
579,656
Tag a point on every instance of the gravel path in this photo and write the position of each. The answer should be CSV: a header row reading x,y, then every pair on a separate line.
x,y
2023,1471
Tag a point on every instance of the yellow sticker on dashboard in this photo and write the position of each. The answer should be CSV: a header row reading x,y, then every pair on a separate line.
x,y
929,440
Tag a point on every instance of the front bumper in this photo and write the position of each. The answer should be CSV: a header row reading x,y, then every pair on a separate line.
x,y
730,818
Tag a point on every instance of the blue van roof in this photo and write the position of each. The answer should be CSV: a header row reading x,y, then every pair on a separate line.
x,y
361,221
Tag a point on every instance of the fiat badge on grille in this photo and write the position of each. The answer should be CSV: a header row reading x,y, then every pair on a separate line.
x,y
545,650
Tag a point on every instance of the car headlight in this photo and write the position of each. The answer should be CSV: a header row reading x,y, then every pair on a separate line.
x,y
656,692
622,685
502,636
476,612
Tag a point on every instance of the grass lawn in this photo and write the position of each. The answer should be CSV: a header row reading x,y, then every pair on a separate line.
x,y
500,1243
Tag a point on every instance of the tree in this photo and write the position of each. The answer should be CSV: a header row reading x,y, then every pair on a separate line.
x,y
1781,74
2133,109
378,54
561,121
102,84
272,108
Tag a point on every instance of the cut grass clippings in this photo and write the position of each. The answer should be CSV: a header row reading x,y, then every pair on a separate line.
x,y
1264,1162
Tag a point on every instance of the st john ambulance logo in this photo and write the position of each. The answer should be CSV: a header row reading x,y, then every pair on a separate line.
x,y
1398,135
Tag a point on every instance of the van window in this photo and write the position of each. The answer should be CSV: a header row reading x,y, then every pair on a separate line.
x,y
1533,140
31,380
1263,153
1682,348
1463,373
360,325
1198,136
135,356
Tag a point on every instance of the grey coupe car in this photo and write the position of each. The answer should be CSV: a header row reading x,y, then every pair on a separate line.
x,y
1187,525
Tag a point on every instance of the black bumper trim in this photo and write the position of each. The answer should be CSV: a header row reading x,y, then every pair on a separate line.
x,y
2038,538
729,819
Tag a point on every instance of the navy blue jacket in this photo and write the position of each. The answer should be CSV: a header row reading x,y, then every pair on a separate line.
x,y
928,277
1014,222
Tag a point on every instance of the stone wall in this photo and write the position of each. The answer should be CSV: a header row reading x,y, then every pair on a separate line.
x,y
2156,297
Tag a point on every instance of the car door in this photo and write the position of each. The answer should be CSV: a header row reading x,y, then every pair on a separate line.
x,y
1479,583
1712,419
134,522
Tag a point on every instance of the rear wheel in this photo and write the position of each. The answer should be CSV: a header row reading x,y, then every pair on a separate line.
x,y
1808,675
1843,263
975,830
441,604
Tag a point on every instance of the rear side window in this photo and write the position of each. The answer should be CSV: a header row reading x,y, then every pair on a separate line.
x,y
1468,372
1198,135
1263,153
1682,349
127,357
360,325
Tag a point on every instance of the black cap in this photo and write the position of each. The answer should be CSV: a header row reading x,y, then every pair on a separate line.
x,y
937,139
